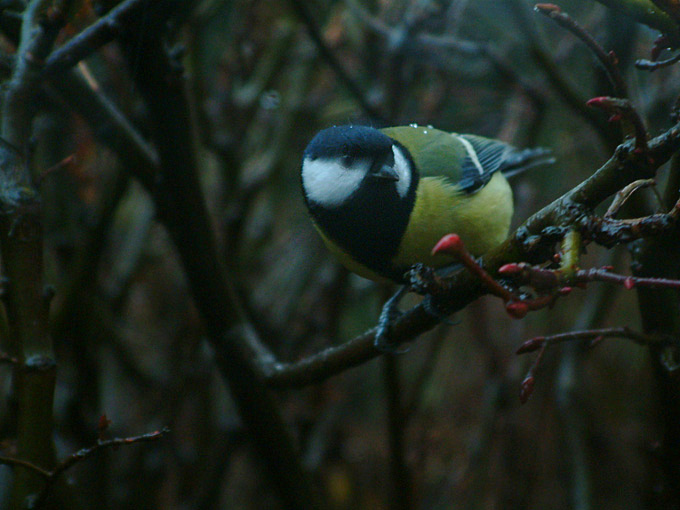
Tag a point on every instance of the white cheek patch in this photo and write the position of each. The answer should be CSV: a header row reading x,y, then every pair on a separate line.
x,y
328,183
403,168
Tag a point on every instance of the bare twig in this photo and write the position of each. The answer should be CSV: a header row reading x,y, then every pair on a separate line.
x,y
541,343
428,42
607,59
529,382
622,196
555,75
453,245
101,444
623,109
594,335
609,232
61,165
651,65
544,279
603,275
11,461
335,64
109,125
105,30
50,475
425,373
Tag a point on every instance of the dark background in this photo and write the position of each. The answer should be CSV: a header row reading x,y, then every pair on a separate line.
x,y
130,344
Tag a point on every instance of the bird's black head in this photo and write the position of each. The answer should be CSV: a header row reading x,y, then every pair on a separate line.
x,y
349,143
359,186
342,161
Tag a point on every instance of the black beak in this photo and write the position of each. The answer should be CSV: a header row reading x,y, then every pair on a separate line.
x,y
385,172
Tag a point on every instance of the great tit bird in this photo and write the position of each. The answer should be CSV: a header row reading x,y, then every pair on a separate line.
x,y
382,198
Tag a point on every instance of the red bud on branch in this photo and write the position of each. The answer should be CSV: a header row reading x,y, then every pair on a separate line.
x,y
450,244
527,388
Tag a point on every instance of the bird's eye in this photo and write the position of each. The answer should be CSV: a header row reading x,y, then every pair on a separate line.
x,y
347,160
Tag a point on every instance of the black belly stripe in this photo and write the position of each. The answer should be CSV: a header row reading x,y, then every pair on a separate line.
x,y
370,225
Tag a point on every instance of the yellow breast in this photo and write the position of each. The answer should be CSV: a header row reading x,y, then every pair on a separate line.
x,y
482,219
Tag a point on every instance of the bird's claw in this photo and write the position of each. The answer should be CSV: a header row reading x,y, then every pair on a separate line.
x,y
389,315
383,342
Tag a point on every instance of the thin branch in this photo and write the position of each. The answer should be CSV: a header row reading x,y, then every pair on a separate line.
x,y
39,31
529,381
607,59
557,78
21,244
623,109
622,196
73,459
651,65
594,335
334,63
629,282
401,497
81,92
105,30
425,373
453,245
545,279
429,42
109,125
11,461
84,453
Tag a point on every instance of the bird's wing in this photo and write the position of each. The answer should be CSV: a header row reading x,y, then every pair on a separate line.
x,y
484,157
466,161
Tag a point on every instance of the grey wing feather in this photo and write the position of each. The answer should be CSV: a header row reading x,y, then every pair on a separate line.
x,y
484,158
489,156
519,161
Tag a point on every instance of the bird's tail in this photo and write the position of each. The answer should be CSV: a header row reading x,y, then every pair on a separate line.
x,y
518,161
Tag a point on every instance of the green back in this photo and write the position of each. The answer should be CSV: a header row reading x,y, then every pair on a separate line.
x,y
435,152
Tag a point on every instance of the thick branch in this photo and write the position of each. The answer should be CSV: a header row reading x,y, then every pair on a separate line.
x,y
181,208
105,30
21,243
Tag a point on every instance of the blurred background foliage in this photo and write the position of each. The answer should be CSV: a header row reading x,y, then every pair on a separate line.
x,y
129,341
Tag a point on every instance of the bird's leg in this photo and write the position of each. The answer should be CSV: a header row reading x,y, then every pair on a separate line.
x,y
390,313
